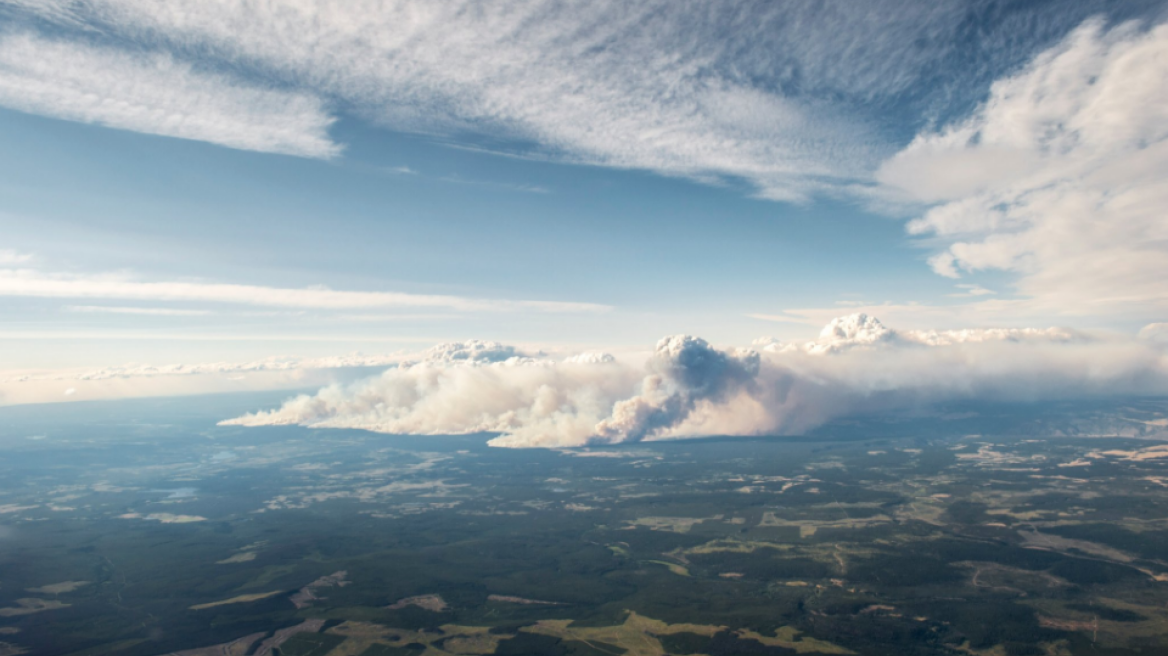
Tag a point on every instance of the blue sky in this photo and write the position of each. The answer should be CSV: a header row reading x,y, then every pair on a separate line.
x,y
231,181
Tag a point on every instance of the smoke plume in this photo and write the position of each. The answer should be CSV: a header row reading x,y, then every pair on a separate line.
x,y
689,388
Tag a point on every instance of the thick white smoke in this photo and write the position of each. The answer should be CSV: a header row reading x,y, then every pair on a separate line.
x,y
690,388
470,387
684,371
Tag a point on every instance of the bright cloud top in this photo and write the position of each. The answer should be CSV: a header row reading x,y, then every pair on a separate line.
x,y
859,329
1059,177
689,387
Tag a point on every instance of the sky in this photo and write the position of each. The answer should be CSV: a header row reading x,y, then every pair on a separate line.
x,y
237,195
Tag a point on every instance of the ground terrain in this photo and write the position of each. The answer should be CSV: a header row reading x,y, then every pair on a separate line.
x,y
142,529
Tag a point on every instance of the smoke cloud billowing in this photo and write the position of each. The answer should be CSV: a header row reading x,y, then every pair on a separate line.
x,y
690,388
684,371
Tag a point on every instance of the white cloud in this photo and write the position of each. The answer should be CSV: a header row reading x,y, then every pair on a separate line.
x,y
590,357
163,312
219,368
794,97
1156,332
384,318
477,351
859,330
975,313
690,388
471,352
30,283
274,364
10,257
774,93
979,335
158,94
153,380
972,291
1058,177
852,330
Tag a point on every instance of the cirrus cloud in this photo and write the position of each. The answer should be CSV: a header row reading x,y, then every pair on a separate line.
x,y
795,97
156,93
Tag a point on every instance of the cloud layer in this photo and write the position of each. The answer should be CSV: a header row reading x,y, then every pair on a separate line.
x,y
275,364
860,329
690,388
1058,177
157,94
38,284
792,96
